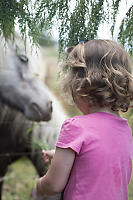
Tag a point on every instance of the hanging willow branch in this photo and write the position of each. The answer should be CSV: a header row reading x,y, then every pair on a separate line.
x,y
126,31
115,8
76,20
31,18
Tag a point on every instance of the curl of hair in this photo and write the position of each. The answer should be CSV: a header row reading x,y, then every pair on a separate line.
x,y
99,71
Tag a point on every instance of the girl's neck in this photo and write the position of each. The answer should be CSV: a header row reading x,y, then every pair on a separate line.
x,y
88,109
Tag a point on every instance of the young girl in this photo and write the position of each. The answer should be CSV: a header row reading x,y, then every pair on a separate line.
x,y
93,157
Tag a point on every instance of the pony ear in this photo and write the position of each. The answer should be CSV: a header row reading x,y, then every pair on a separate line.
x,y
69,49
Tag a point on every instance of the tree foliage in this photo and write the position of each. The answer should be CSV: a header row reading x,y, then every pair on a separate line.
x,y
126,30
76,20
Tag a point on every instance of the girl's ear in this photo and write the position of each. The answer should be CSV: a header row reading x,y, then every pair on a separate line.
x,y
69,49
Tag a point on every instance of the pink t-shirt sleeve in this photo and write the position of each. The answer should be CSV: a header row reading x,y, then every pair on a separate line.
x,y
70,136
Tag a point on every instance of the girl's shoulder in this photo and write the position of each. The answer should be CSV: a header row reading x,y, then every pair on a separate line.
x,y
75,121
72,122
80,117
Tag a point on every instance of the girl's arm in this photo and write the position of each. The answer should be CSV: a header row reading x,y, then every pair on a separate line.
x,y
57,176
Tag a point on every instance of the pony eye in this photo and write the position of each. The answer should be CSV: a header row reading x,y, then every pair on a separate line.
x,y
23,58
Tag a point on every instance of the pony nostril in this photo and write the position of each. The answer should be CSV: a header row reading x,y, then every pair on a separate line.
x,y
44,113
36,108
50,105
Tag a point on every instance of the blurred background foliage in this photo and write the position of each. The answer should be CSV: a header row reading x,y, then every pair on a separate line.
x,y
76,20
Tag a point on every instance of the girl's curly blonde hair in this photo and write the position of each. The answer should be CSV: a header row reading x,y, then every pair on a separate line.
x,y
99,71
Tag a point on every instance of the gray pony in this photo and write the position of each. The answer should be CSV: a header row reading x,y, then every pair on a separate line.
x,y
24,98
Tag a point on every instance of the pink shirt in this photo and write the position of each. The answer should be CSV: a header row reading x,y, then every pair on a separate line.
x,y
103,163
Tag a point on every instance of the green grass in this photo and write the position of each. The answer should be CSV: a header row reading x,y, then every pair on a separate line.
x,y
20,181
130,189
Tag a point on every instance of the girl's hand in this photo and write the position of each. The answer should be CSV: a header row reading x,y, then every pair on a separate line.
x,y
39,188
48,155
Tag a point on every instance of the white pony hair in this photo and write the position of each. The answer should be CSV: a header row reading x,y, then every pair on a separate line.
x,y
47,131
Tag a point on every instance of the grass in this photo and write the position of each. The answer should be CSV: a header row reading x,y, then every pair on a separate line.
x,y
130,189
20,181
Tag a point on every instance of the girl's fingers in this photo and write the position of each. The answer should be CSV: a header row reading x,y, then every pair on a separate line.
x,y
49,153
46,158
45,153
